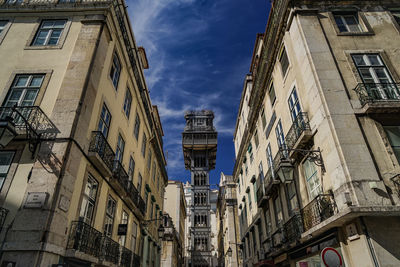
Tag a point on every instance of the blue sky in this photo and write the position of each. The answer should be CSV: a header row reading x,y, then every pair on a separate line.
x,y
199,52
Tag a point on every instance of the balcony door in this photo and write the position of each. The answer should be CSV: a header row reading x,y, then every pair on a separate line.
x,y
375,76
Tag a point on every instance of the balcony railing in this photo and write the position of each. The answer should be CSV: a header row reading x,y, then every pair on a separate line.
x,y
3,216
126,257
377,92
120,175
100,146
293,228
85,238
299,126
318,210
110,250
142,205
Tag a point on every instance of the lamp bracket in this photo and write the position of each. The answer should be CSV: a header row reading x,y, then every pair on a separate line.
x,y
314,156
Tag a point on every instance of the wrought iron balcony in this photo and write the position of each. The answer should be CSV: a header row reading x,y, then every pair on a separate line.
x,y
300,132
377,92
318,210
135,260
3,216
110,250
278,238
85,238
293,228
142,205
101,153
120,177
133,193
126,257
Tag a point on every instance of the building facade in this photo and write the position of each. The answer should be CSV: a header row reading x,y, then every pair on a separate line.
x,y
199,141
229,252
171,246
175,205
83,170
317,136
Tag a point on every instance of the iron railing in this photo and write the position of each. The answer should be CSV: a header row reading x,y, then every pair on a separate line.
x,y
142,205
300,124
376,92
126,257
120,175
99,145
133,193
260,189
135,260
319,209
85,238
3,216
293,228
110,250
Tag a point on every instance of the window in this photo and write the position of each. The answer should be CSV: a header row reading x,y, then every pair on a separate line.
x,y
154,171
115,70
253,235
144,142
110,213
269,157
131,169
292,199
271,93
6,158
263,119
393,134
278,211
3,24
283,59
268,223
139,184
146,197
124,220
134,237
312,179
375,76
256,138
250,151
151,209
347,22
294,104
137,127
24,90
149,160
49,32
105,120
127,102
255,191
119,153
280,138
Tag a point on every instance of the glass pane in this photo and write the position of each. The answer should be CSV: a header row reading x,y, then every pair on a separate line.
x,y
52,41
3,23
359,60
36,81
374,60
21,81
30,95
382,75
352,23
5,161
15,95
340,24
366,75
59,23
393,133
47,24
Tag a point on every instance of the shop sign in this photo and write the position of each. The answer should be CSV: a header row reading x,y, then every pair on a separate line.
x,y
331,257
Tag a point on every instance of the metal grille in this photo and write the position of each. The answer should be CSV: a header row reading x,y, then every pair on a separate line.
x,y
376,92
300,125
85,238
99,145
319,209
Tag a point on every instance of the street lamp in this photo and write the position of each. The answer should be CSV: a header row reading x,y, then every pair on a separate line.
x,y
7,131
286,171
229,252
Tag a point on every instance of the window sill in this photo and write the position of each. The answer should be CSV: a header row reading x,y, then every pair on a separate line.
x,y
355,33
43,47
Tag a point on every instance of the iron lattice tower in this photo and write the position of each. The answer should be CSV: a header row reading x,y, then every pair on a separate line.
x,y
199,141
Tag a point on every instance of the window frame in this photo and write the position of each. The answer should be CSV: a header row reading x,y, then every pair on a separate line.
x,y
365,28
144,145
13,87
112,73
271,88
294,104
127,103
101,120
9,166
6,27
29,45
283,53
119,150
109,216
136,127
131,168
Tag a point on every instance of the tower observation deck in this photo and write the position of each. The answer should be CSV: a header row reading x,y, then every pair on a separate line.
x,y
199,142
